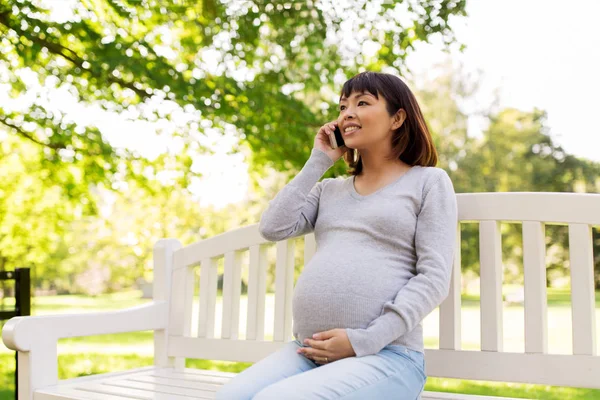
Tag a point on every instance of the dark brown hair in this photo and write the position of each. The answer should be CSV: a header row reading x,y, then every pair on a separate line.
x,y
412,142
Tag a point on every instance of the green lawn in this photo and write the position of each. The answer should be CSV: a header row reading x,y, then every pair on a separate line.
x,y
84,356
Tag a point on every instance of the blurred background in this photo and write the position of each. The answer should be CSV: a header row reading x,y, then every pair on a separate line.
x,y
126,121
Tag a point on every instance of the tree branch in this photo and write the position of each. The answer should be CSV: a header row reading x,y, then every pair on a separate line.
x,y
28,136
56,48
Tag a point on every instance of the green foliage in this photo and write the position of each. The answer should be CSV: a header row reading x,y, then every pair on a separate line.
x,y
121,55
33,216
515,153
266,69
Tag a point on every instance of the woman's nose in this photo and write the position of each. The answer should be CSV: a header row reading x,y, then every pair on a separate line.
x,y
347,114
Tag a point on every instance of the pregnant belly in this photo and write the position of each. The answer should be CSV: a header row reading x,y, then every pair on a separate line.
x,y
318,312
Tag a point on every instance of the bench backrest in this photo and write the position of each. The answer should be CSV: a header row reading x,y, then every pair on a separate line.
x,y
191,332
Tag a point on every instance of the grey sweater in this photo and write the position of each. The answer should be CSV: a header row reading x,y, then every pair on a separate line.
x,y
383,260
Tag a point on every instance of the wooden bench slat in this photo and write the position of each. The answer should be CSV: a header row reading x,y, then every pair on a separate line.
x,y
168,387
234,240
131,392
111,375
284,283
166,254
232,291
202,372
490,256
196,383
457,396
534,266
193,378
62,393
178,300
545,369
582,289
226,350
180,312
561,208
257,290
208,298
450,309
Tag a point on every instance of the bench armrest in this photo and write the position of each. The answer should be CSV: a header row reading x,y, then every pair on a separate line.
x,y
20,333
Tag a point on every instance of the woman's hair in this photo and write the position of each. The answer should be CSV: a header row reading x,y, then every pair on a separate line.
x,y
412,142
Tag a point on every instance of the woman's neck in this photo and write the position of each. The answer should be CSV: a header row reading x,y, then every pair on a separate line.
x,y
374,166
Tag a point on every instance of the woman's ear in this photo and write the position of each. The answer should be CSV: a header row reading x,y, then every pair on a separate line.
x,y
399,119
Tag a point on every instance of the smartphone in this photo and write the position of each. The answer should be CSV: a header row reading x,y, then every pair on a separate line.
x,y
336,140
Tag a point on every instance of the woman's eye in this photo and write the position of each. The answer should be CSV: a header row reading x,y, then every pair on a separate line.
x,y
343,107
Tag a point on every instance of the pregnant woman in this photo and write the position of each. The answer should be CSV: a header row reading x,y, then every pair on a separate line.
x,y
385,241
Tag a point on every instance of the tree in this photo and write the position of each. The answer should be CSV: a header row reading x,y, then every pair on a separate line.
x,y
33,213
515,153
276,65
113,250
267,70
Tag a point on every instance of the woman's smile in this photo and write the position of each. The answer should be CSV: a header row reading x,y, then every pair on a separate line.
x,y
350,131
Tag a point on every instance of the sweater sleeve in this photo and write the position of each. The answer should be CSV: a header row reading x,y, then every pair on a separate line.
x,y
293,211
435,238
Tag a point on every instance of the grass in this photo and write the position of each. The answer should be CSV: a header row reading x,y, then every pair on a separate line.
x,y
106,353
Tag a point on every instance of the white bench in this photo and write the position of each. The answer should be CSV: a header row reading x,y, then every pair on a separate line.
x,y
170,313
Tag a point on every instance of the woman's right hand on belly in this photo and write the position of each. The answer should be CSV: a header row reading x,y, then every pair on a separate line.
x,y
332,345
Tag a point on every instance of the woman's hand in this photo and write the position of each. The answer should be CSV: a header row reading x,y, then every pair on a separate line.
x,y
322,141
327,347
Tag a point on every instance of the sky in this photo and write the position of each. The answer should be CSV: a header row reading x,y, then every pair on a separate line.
x,y
535,53
529,53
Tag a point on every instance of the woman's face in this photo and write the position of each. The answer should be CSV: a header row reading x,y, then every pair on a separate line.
x,y
374,126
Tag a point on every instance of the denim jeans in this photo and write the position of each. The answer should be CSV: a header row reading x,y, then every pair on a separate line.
x,y
395,373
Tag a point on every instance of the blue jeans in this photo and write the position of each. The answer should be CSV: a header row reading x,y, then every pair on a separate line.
x,y
395,373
